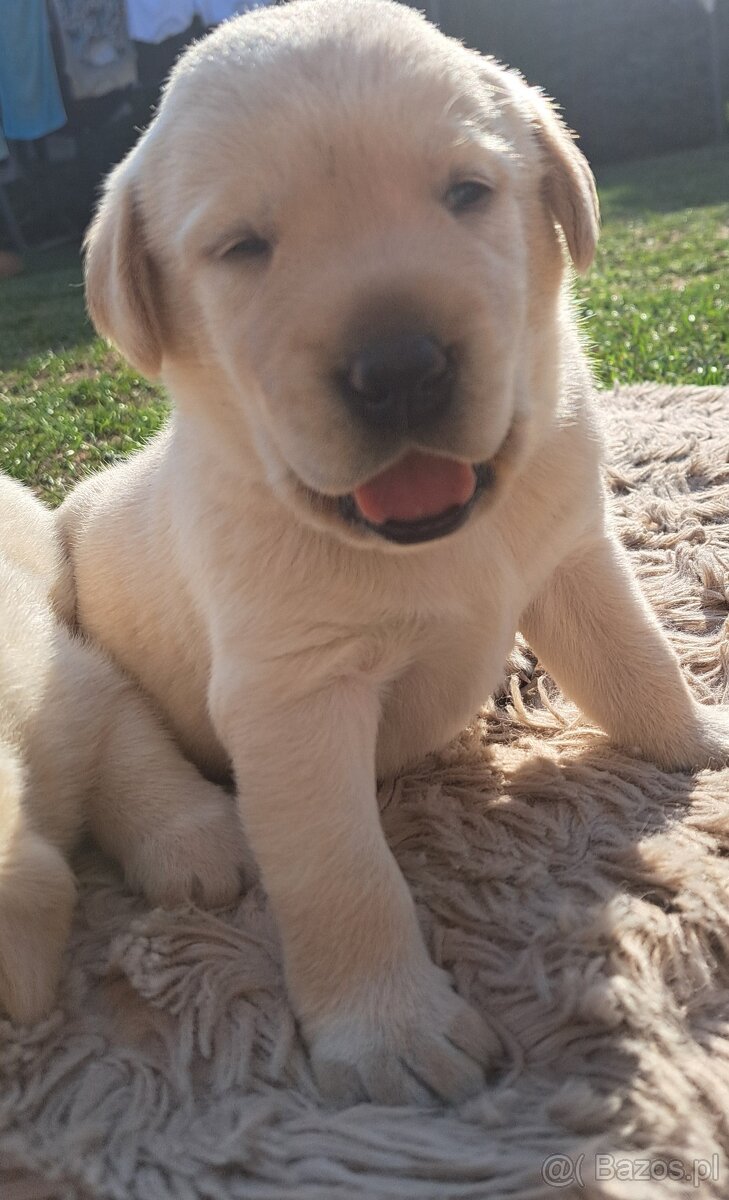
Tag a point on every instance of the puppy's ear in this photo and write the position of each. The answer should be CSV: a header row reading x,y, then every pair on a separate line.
x,y
569,185
122,285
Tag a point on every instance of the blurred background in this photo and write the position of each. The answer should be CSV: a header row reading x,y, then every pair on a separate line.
x,y
79,78
635,77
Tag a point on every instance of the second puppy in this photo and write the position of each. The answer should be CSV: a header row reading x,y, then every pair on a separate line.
x,y
80,748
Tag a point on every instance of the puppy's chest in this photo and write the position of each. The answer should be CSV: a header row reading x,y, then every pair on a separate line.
x,y
451,670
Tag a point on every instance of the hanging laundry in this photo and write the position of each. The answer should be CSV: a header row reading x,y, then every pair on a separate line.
x,y
212,12
98,56
30,98
156,20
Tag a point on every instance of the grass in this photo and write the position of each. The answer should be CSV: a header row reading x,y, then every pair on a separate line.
x,y
68,403
655,306
656,303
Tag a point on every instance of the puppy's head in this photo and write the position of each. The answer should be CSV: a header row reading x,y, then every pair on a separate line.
x,y
339,243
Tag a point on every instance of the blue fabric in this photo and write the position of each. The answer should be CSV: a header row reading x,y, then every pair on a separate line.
x,y
30,98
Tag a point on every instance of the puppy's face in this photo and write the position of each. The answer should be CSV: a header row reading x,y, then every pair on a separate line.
x,y
346,223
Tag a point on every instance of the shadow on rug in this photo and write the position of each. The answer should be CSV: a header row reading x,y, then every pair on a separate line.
x,y
579,897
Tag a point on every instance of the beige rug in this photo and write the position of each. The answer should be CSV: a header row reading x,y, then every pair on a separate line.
x,y
579,897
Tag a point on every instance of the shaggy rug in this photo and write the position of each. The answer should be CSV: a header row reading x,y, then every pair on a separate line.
x,y
579,897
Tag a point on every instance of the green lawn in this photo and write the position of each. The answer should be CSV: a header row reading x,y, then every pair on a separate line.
x,y
656,306
67,402
656,302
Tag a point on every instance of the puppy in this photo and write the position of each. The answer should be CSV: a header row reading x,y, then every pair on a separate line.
x,y
72,727
341,245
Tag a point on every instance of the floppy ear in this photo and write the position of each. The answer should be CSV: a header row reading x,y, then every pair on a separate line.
x,y
569,185
122,291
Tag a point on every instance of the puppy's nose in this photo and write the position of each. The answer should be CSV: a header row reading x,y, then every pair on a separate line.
x,y
400,382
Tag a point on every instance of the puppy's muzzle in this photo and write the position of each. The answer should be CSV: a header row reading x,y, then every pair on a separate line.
x,y
399,383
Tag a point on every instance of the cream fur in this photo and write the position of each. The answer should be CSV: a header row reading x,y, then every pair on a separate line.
x,y
73,730
214,566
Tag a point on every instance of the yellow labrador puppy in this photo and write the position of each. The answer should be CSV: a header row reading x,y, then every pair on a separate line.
x,y
341,245
72,727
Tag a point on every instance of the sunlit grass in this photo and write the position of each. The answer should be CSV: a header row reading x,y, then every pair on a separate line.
x,y
68,403
656,302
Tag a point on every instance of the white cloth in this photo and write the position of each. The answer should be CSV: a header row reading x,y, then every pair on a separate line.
x,y
156,20
212,12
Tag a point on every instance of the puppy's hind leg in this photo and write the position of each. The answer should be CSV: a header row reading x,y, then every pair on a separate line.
x,y
177,836
37,897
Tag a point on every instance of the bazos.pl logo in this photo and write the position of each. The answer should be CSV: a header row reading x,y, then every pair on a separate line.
x,y
561,1170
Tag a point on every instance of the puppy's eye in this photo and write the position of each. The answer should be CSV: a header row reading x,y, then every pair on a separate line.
x,y
252,248
467,195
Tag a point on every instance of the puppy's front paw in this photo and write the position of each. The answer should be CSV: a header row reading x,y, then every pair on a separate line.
x,y
200,854
37,897
702,742
713,742
403,1044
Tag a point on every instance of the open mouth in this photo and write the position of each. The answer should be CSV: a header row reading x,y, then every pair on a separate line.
x,y
421,498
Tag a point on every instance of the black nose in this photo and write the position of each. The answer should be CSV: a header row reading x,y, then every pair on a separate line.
x,y
400,382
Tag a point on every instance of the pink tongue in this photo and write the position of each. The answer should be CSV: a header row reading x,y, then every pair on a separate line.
x,y
418,486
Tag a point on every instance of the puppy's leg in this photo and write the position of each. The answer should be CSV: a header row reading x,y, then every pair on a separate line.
x,y
177,836
381,1020
37,896
598,637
